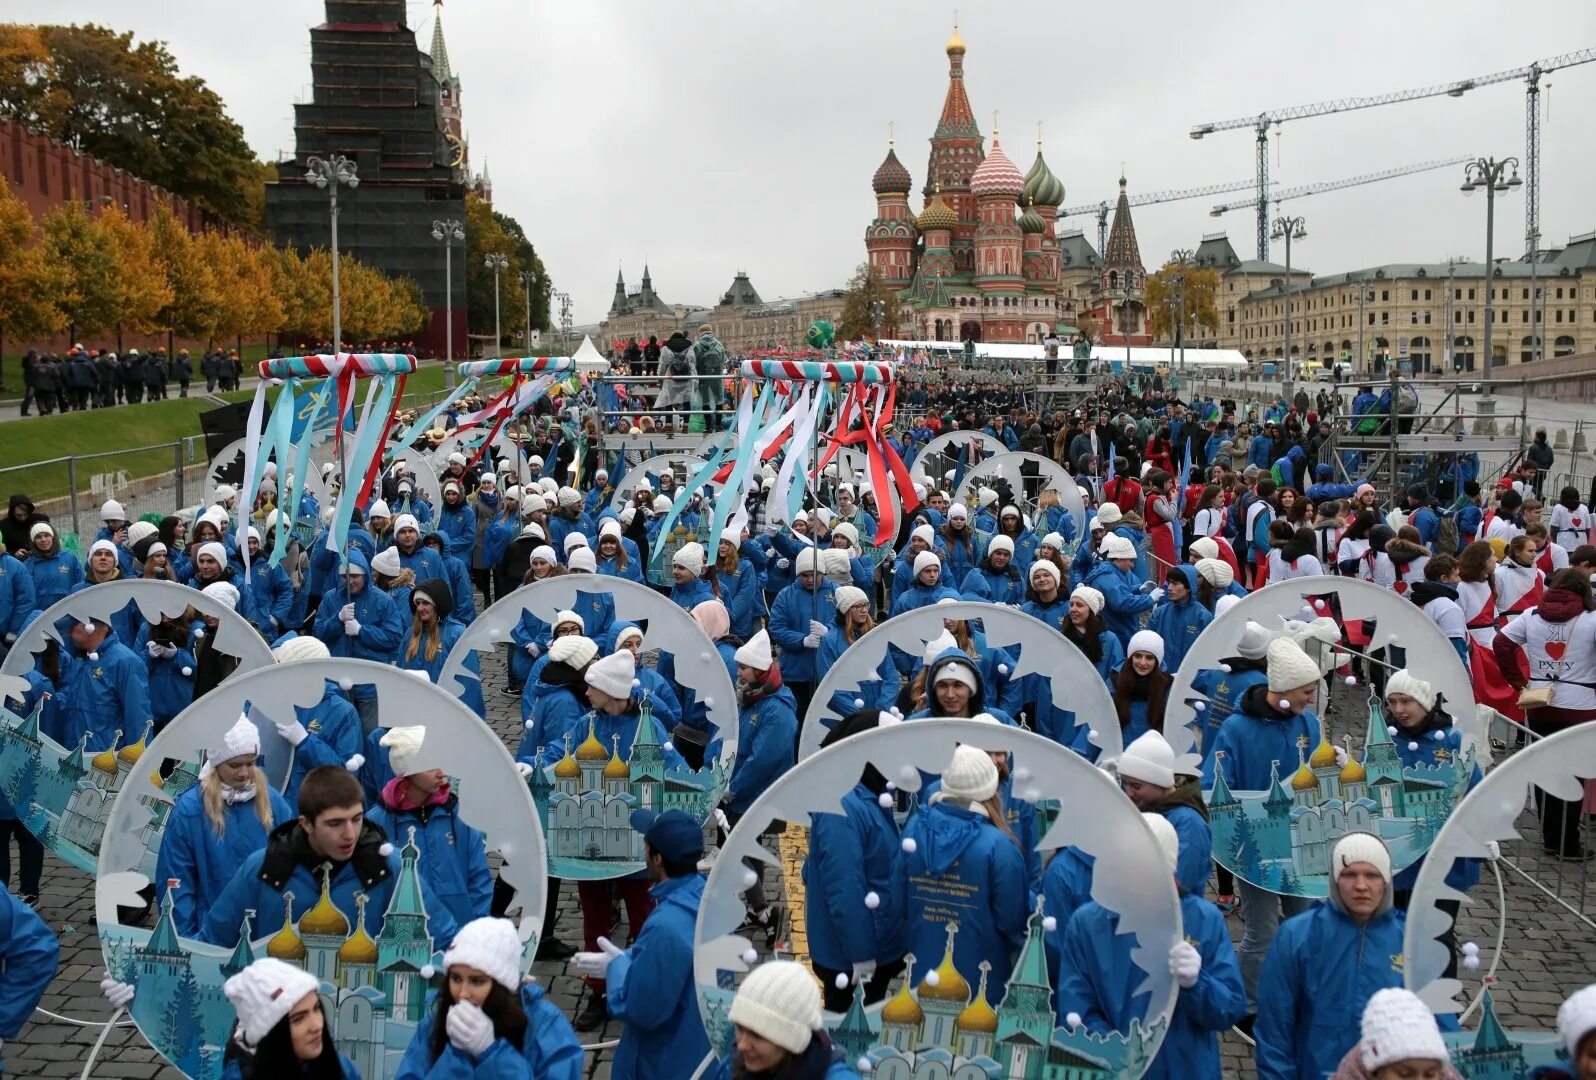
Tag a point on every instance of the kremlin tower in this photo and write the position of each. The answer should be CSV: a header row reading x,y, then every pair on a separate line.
x,y
1122,283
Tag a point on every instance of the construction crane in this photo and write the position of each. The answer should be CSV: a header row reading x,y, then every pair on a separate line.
x,y
1280,196
1101,209
1531,75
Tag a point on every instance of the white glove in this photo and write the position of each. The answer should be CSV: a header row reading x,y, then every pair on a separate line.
x,y
523,770
595,964
1185,963
782,564
817,629
862,972
346,613
533,650
1157,595
1341,756
153,648
469,1029
119,994
811,642
292,730
351,628
10,638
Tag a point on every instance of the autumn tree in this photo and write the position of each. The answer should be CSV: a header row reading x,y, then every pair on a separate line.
x,y
86,295
1163,299
865,289
485,235
191,312
139,289
1086,323
246,299
28,284
528,257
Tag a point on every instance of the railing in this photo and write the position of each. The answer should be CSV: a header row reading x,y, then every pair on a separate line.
x,y
147,480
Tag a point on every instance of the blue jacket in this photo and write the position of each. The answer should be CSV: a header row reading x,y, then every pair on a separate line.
x,y
767,737
1321,971
694,713
611,566
127,622
459,525
1066,888
458,575
903,572
550,711
689,596
1428,522
650,989
741,594
425,564
53,576
202,862
851,854
333,736
271,597
877,693
382,627
103,696
987,890
280,868
454,857
548,1050
1258,451
1224,690
916,596
1123,599
496,538
789,625
449,635
1179,624
17,596
1256,735
1021,817
29,954
1196,859
1098,980
1006,586
1054,614
561,526
964,556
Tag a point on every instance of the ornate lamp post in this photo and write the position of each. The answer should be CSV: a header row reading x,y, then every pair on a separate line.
x,y
327,174
1288,229
447,233
1488,173
496,262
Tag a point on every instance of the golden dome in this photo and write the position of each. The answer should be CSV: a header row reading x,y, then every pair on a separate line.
x,y
936,215
325,920
567,769
617,769
950,985
979,1015
1303,779
156,781
902,1009
359,948
285,944
955,43
1353,772
1324,755
130,754
104,761
592,749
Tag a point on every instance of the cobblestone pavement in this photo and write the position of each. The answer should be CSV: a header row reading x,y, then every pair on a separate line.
x,y
1548,949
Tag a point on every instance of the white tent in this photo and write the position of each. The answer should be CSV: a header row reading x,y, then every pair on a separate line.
x,y
588,358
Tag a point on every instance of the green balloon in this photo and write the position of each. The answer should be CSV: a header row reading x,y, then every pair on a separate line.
x,y
821,334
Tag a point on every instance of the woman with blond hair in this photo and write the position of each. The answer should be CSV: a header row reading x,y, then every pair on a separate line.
x,y
217,824
432,638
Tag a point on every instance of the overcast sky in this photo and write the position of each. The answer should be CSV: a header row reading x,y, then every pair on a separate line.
x,y
711,137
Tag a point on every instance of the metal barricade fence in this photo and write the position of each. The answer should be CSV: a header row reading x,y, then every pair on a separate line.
x,y
149,481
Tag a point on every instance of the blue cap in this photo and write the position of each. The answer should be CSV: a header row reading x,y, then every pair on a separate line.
x,y
673,834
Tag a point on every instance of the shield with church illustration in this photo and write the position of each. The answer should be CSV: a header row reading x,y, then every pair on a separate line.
x,y
952,452
672,749
62,780
373,935
1081,988
1027,477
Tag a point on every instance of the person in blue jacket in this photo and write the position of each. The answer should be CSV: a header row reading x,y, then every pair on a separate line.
x,y
271,593
778,1031
1098,981
593,602
961,863
29,956
326,733
330,847
1222,688
17,599
414,556
1147,777
458,521
767,726
53,570
105,692
803,614
735,583
963,546
418,806
851,855
217,824
1123,596
649,987
281,1028
1085,630
431,639
1326,963
921,538
853,623
688,588
996,579
926,587
712,618
568,518
358,620
1020,814
1179,618
662,693
486,1021
1045,600
1325,489
953,684
1266,730
617,554
1002,432
457,574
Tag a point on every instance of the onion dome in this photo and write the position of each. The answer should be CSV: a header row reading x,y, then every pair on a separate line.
x,y
1324,755
891,177
1353,773
129,755
567,769
359,948
285,944
979,1016
903,1009
591,749
997,174
1303,779
105,762
325,920
617,769
949,984
1030,221
1041,186
955,43
937,215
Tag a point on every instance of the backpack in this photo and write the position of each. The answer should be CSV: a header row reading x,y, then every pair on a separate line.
x,y
1447,538
679,364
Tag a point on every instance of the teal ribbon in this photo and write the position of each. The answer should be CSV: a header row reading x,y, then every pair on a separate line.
x,y
368,436
296,487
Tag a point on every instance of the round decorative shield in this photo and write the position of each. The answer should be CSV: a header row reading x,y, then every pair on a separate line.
x,y
920,1029
1028,476
420,471
580,785
228,468
1034,649
373,968
681,465
940,456
1486,826
64,793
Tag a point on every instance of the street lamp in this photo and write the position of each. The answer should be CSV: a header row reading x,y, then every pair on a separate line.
x,y
1288,229
1183,261
529,281
447,233
496,262
327,174
1487,173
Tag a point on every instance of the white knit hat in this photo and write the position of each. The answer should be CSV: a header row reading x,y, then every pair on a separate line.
x,y
925,534
112,511
1092,598
1109,515
1205,547
1117,547
1053,540
457,458
379,509
302,647
848,596
924,560
404,748
660,505
512,493
215,550
958,511
563,617
574,540
1397,1026
1576,1018
42,528
1150,760
1360,847
139,530
755,653
102,545
1168,839
492,947
1044,566
613,674
970,776
1216,572
809,559
263,995
1000,543
1009,511
1289,666
779,1002
985,496
1405,682
574,651
937,646
623,635
733,535
609,527
690,557
240,739
1253,644
386,562
544,552
582,559
223,593
957,671
568,496
1146,641
405,521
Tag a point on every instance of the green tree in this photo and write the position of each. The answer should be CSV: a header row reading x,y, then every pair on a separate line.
x,y
86,295
1202,287
485,235
865,289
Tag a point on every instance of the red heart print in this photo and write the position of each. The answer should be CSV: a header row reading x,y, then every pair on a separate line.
x,y
1556,649
1579,523
1402,588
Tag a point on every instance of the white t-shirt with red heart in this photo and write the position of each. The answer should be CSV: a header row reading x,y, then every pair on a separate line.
x,y
1569,528
1560,654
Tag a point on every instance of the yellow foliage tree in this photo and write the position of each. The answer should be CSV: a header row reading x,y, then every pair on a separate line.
x,y
191,312
28,285
139,286
1163,299
81,255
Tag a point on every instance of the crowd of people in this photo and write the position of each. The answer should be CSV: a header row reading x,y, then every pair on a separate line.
x,y
1190,506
